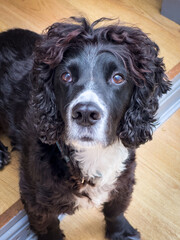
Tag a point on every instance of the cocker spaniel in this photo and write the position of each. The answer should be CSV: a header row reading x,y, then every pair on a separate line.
x,y
76,102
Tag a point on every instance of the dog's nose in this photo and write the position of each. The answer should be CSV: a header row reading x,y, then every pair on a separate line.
x,y
86,114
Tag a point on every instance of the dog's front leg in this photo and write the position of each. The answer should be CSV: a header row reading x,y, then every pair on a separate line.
x,y
4,155
46,227
117,227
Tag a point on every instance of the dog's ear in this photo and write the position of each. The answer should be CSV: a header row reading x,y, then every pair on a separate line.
x,y
147,71
48,124
48,54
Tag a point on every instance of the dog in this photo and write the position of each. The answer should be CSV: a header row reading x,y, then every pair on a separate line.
x,y
76,102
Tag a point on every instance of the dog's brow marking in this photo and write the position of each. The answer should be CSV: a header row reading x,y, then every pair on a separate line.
x,y
90,85
91,59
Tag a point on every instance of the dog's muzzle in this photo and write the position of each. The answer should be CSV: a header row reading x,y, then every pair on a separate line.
x,y
86,114
87,120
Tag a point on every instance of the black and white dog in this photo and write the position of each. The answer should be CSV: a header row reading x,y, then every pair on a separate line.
x,y
77,101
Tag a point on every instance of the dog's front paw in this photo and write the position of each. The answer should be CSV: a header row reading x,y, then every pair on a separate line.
x,y
52,236
123,236
4,156
120,229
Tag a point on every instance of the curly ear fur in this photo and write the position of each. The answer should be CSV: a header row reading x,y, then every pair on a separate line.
x,y
148,72
140,56
48,124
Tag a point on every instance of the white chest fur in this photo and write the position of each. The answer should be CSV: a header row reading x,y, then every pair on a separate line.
x,y
109,162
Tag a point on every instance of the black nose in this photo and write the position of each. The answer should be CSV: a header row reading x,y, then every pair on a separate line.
x,y
86,114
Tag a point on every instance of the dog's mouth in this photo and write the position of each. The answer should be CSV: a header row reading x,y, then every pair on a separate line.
x,y
86,139
83,141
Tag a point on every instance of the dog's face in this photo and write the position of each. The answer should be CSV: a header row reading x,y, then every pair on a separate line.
x,y
93,90
94,85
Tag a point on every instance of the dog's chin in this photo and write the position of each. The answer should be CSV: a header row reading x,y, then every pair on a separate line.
x,y
85,142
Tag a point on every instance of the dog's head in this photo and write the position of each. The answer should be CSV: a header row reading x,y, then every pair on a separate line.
x,y
96,85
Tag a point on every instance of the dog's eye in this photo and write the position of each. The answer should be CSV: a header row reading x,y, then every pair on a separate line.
x,y
66,77
117,79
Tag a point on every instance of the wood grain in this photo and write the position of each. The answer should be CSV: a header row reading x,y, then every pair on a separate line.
x,y
174,71
9,180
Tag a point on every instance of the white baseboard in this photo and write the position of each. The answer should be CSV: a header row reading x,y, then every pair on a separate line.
x,y
170,102
18,228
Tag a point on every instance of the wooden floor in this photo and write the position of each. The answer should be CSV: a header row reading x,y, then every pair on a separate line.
x,y
155,208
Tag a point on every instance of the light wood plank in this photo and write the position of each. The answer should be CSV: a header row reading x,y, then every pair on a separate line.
x,y
9,180
38,14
